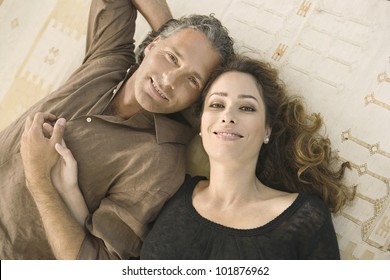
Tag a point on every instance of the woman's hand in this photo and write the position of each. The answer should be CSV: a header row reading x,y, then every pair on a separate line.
x,y
64,178
64,172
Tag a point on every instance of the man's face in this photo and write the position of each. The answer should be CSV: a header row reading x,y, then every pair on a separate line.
x,y
174,71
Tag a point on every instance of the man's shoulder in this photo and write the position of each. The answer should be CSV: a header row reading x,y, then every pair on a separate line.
x,y
170,130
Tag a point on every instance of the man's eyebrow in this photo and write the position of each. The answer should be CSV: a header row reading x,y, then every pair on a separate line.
x,y
196,74
176,51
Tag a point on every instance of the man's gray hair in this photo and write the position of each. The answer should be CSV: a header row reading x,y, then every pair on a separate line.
x,y
210,26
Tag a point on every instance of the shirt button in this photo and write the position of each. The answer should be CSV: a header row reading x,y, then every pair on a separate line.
x,y
89,119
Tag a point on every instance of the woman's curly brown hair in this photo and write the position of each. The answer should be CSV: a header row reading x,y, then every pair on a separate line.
x,y
298,157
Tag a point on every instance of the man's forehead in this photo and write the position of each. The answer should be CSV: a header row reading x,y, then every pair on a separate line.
x,y
192,45
186,33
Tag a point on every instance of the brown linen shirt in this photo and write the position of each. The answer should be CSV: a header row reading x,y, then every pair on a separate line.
x,y
127,168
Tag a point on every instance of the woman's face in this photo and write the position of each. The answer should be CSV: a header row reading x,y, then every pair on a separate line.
x,y
233,121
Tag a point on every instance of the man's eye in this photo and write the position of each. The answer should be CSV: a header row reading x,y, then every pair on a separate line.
x,y
194,82
172,58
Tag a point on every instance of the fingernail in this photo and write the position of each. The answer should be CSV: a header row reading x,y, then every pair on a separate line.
x,y
61,121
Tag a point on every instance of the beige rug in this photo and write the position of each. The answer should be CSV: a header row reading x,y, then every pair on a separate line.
x,y
335,53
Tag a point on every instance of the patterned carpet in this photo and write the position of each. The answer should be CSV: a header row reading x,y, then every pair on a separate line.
x,y
335,53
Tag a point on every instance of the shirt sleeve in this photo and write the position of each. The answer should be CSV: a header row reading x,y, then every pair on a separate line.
x,y
111,27
117,228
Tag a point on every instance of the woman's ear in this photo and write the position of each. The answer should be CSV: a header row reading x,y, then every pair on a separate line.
x,y
151,45
268,131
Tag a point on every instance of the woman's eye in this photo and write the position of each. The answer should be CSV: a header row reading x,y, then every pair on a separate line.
x,y
216,105
248,109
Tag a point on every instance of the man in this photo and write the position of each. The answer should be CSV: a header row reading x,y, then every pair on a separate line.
x,y
130,156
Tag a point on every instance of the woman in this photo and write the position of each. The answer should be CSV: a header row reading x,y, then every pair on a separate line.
x,y
273,181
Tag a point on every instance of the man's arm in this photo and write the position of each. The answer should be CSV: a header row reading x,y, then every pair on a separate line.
x,y
156,12
64,233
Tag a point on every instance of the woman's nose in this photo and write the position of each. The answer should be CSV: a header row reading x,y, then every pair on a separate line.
x,y
228,121
228,117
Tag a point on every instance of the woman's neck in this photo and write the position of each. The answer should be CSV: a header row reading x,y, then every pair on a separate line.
x,y
235,198
232,183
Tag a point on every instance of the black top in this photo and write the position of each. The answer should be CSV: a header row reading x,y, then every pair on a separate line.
x,y
303,231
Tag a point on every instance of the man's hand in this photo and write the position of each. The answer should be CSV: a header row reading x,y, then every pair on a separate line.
x,y
38,146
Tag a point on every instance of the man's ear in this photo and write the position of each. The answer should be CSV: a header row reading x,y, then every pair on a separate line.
x,y
151,45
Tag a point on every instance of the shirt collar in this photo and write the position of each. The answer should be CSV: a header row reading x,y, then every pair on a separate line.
x,y
167,130
130,71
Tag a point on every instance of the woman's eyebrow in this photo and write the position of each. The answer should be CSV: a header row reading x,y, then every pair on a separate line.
x,y
219,93
243,96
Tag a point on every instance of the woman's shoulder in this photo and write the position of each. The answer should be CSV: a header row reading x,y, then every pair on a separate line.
x,y
298,207
301,200
190,182
311,202
189,185
312,209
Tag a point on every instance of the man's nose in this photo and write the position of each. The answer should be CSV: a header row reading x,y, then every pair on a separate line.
x,y
171,79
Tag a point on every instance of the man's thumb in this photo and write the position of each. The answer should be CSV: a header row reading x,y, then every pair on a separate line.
x,y
58,131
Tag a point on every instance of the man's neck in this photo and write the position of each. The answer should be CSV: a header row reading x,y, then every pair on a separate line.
x,y
124,104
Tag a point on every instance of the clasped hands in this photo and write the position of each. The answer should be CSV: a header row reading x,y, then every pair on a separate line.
x,y
45,155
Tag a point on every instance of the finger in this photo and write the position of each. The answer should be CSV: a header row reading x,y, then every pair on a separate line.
x,y
37,123
60,149
40,118
63,143
66,154
58,131
47,130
